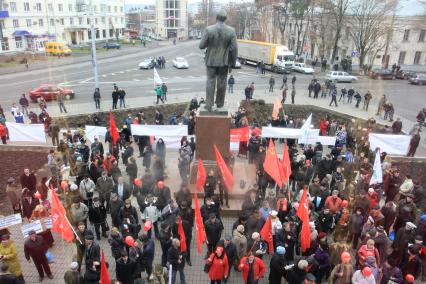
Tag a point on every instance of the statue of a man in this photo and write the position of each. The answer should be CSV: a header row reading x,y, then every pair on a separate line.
x,y
221,43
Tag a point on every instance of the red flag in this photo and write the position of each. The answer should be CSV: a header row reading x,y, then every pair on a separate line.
x,y
151,140
104,271
286,165
60,224
266,234
271,164
113,129
181,233
240,134
228,179
201,175
303,214
199,225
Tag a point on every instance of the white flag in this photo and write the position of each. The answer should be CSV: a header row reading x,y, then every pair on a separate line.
x,y
157,79
377,176
305,130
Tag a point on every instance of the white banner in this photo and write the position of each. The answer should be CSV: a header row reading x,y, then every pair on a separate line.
x,y
36,226
159,130
10,220
311,138
280,132
377,176
305,134
327,140
26,132
157,78
389,143
92,131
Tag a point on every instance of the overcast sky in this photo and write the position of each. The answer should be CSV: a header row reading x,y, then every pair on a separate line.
x,y
407,7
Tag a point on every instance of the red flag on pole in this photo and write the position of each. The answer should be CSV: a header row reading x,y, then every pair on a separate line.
x,y
200,232
60,224
228,179
201,175
266,234
286,164
303,214
271,164
239,134
104,270
181,233
113,129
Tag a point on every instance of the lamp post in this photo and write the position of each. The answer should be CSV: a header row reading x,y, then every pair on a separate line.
x,y
93,33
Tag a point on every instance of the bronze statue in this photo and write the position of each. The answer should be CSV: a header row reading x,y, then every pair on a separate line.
x,y
221,43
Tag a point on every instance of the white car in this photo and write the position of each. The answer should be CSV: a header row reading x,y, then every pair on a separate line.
x,y
300,67
180,63
146,64
340,76
237,64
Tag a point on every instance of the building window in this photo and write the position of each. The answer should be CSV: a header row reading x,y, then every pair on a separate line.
x,y
89,34
50,7
109,9
122,20
121,9
38,7
2,24
95,8
401,58
417,57
40,22
16,23
29,22
115,9
12,6
406,35
103,20
88,21
104,33
18,42
26,6
80,21
71,21
60,7
52,22
4,43
62,21
70,7
422,35
96,21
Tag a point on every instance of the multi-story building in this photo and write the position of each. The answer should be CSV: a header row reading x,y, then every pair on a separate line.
x,y
26,24
172,18
141,20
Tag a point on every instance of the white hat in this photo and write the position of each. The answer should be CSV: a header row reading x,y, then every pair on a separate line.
x,y
73,186
274,213
255,235
410,225
370,190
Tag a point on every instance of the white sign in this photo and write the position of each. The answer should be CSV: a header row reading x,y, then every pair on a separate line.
x,y
94,131
389,143
36,226
47,223
10,220
159,130
26,132
377,176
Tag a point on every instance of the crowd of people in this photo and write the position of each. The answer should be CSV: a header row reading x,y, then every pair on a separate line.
x,y
359,233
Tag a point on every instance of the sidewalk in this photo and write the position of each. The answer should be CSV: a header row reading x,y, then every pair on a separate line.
x,y
53,61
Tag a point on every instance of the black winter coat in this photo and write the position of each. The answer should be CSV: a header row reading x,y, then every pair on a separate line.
x,y
97,215
117,244
277,271
91,276
173,256
35,249
126,271
213,230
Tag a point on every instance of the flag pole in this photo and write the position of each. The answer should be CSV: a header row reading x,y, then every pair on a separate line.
x,y
72,228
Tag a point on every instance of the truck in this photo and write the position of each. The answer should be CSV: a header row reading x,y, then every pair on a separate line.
x,y
276,57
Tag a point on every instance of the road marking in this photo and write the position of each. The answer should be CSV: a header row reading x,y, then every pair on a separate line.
x,y
104,76
137,80
121,72
177,77
150,79
112,74
85,81
165,78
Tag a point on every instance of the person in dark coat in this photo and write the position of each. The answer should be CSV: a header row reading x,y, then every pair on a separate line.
x,y
177,261
92,252
411,264
403,237
29,203
187,229
128,152
210,184
115,205
323,259
162,192
125,269
287,238
97,217
7,277
254,223
35,248
390,272
165,241
355,227
128,213
214,228
277,266
381,242
231,253
122,189
296,275
72,276
92,275
28,180
148,252
116,242
389,213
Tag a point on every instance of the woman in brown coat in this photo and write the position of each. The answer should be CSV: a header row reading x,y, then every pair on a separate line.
x,y
40,213
29,203
14,195
342,273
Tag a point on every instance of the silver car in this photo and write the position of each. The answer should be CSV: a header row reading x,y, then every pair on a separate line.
x,y
340,76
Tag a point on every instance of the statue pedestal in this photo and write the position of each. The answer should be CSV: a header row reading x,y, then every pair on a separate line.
x,y
210,129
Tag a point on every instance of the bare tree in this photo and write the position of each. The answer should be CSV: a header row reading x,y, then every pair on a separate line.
x,y
339,11
321,34
282,17
299,10
368,26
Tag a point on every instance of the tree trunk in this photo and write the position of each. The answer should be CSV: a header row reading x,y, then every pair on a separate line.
x,y
336,43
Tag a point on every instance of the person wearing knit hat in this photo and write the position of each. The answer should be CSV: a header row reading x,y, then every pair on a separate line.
x,y
302,264
240,241
257,245
73,275
410,226
255,236
278,262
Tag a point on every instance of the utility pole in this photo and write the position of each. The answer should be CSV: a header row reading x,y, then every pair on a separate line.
x,y
93,33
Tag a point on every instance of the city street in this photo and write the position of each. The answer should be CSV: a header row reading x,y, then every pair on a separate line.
x,y
123,70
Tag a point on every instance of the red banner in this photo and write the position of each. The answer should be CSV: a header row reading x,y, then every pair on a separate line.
x,y
240,134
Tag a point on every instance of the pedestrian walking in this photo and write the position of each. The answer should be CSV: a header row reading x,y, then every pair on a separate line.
x,y
115,95
343,93
311,88
247,93
333,97
218,266
389,111
231,82
271,84
414,143
293,94
251,90
350,95
164,90
253,268
97,98
35,249
159,93
121,95
176,261
358,99
126,269
285,81
60,97
97,218
24,103
367,99
284,95
293,80
262,68
316,89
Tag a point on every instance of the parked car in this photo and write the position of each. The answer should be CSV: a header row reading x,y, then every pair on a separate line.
x,y
111,45
384,74
340,76
50,92
198,36
180,63
237,64
147,64
301,67
419,79
405,75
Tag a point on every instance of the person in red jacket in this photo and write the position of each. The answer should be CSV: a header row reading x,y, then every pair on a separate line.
x,y
253,269
219,266
373,197
3,133
323,126
368,250
333,202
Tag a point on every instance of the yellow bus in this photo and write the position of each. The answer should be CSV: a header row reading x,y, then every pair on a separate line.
x,y
57,48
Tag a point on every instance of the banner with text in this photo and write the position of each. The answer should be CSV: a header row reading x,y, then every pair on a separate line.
x,y
389,143
10,220
36,226
159,130
239,134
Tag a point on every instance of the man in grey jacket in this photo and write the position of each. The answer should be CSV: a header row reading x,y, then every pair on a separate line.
x,y
104,186
221,43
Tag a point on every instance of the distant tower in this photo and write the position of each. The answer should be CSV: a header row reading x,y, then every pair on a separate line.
x,y
172,18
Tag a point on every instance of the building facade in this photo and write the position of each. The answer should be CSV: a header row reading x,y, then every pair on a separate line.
x,y
141,20
25,25
172,19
